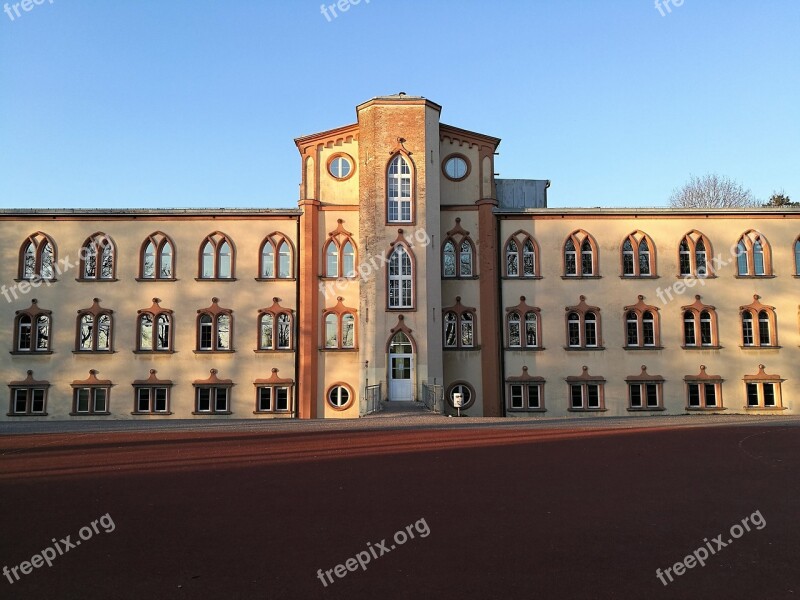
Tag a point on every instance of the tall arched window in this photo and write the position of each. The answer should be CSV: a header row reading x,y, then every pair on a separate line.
x,y
32,330
340,253
215,328
700,325
523,326
401,278
642,326
217,257
797,258
459,326
94,333
399,207
38,257
583,326
580,241
154,328
638,254
753,255
339,327
157,258
759,324
98,258
522,256
693,253
276,257
275,327
458,253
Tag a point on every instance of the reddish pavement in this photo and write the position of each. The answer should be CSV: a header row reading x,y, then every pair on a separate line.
x,y
512,513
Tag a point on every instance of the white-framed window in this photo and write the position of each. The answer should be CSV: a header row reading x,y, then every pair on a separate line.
x,y
91,400
399,193
273,398
704,394
214,332
459,329
28,400
340,396
401,278
586,396
645,394
526,396
152,399
212,399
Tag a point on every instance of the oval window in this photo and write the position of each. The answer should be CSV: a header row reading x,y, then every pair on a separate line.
x,y
456,167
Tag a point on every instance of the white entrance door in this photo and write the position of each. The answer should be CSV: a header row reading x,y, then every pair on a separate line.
x,y
401,364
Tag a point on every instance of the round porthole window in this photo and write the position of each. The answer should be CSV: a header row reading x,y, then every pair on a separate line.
x,y
456,167
340,166
339,396
466,391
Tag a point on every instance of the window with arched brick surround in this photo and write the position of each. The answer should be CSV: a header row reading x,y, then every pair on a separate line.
x,y
581,256
521,256
753,255
583,327
642,326
695,255
37,258
638,256
458,254
759,325
700,327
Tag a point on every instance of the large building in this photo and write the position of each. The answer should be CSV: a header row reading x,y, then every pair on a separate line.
x,y
407,268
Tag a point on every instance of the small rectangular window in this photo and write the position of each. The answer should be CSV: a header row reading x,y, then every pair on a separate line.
x,y
635,395
652,395
143,400
576,392
752,394
694,394
203,400
265,399
593,395
516,396
711,394
282,398
769,394
534,396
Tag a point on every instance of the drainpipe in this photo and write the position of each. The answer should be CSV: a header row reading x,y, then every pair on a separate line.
x,y
295,322
500,252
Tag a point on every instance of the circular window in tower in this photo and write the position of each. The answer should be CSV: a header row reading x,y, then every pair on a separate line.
x,y
456,167
340,166
467,394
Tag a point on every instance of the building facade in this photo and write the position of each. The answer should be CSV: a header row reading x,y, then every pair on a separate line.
x,y
407,267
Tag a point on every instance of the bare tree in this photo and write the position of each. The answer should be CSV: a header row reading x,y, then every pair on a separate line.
x,y
712,191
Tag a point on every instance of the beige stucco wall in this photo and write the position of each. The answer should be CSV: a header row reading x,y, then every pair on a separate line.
x,y
611,293
125,296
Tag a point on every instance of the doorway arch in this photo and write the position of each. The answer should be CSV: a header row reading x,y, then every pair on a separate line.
x,y
401,368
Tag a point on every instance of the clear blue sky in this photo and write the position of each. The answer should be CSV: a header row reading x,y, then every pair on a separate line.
x,y
154,103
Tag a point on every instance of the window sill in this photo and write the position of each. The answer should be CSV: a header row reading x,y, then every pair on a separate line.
x,y
94,352
211,414
705,408
338,349
153,352
754,276
38,280
642,348
639,277
213,351
587,410
91,414
44,414
276,278
328,278
584,348
462,349
399,310
152,414
578,277
276,351
277,413
646,409
524,348
518,277
97,280
30,352
695,277
155,279
526,410
768,408
760,347
216,279
701,347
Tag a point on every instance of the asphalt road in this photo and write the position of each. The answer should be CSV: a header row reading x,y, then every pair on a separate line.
x,y
506,512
